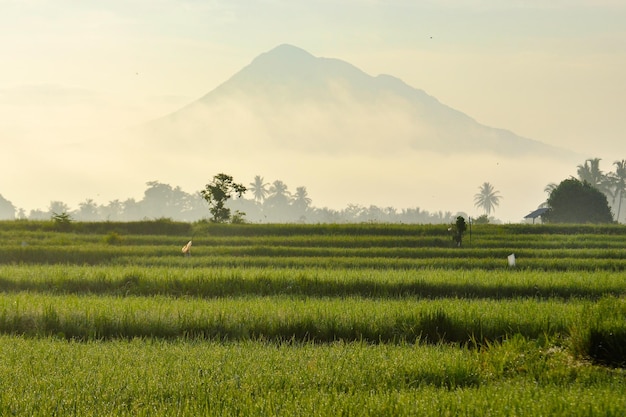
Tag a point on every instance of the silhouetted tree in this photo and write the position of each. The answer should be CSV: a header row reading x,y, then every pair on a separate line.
x,y
276,206
573,201
132,210
487,198
373,214
279,193
114,211
591,173
38,214
327,215
482,219
301,199
62,221
161,200
195,207
259,188
353,211
548,189
300,203
218,192
7,209
619,183
57,207
87,211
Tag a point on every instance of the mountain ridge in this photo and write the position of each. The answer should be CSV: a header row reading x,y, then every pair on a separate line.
x,y
291,99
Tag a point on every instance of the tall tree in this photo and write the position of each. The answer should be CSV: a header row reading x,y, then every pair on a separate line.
x,y
301,199
574,201
278,194
590,172
259,188
7,209
487,198
131,209
58,207
218,192
162,200
279,188
548,189
619,182
87,211
113,211
277,207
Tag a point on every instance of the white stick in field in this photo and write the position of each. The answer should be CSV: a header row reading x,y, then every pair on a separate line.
x,y
187,249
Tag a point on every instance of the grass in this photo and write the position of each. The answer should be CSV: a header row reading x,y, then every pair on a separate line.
x,y
283,318
363,320
593,329
306,246
209,282
153,377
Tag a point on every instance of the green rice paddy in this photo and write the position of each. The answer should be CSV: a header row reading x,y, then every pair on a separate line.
x,y
291,320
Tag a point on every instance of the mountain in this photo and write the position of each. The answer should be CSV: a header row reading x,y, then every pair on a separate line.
x,y
290,100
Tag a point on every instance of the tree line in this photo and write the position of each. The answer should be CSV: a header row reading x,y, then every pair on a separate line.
x,y
266,203
275,203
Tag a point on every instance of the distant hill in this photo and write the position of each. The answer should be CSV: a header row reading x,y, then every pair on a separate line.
x,y
290,100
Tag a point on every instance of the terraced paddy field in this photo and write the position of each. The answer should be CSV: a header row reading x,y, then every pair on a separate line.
x,y
293,320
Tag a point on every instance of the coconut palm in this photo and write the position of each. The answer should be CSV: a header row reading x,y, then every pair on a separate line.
x,y
619,182
487,198
87,211
278,188
259,188
113,211
279,196
301,199
591,173
548,189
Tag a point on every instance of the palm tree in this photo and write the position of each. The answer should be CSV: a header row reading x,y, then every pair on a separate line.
x,y
278,188
113,210
278,195
487,198
259,188
591,173
548,189
619,182
301,199
88,210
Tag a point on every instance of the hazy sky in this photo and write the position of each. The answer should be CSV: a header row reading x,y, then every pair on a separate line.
x,y
548,70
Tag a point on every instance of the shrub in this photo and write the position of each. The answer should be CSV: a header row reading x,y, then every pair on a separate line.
x,y
113,238
62,221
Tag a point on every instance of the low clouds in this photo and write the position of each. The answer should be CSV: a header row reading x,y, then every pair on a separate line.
x,y
78,73
46,95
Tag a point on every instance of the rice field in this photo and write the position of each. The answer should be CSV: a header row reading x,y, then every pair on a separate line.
x,y
355,320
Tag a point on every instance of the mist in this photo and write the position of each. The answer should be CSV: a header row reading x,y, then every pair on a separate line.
x,y
374,141
379,171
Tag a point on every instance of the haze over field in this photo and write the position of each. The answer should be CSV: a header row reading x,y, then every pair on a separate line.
x,y
84,79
